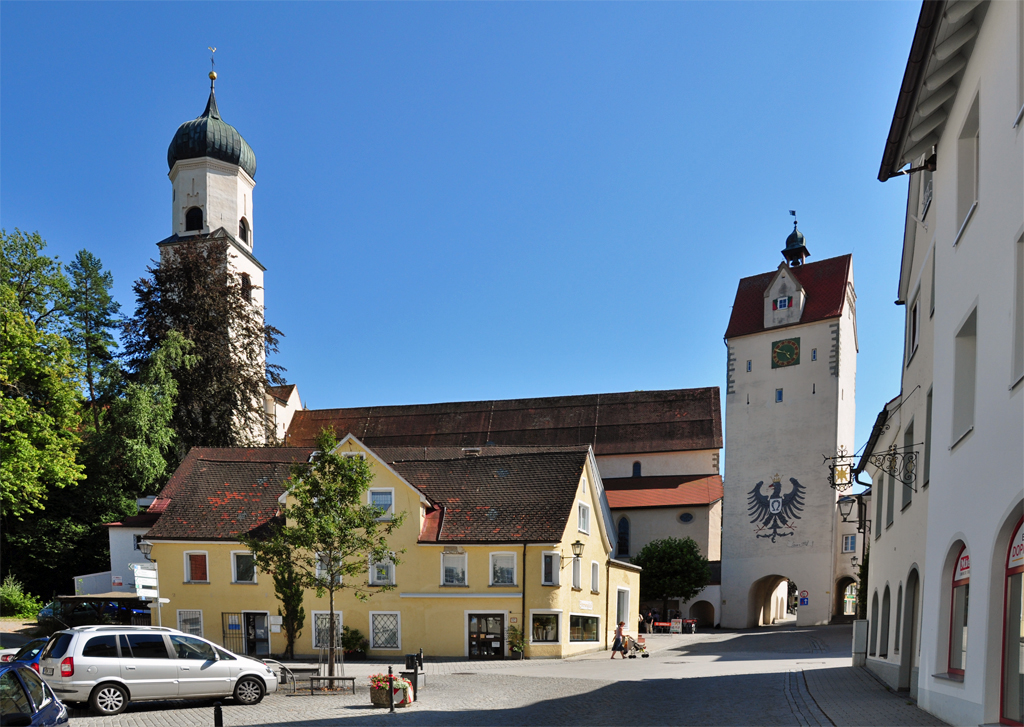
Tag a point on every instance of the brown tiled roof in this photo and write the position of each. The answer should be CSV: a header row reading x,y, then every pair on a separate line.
x,y
623,423
281,392
418,454
510,498
824,283
216,494
142,520
671,491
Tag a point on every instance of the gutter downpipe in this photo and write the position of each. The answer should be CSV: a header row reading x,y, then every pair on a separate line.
x,y
607,595
523,624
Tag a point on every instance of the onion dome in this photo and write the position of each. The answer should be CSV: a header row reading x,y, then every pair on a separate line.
x,y
210,136
796,250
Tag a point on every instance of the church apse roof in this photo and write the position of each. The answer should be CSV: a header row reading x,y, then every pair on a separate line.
x,y
823,281
619,423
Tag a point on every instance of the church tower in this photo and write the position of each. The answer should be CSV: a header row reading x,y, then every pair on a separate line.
x,y
792,366
212,171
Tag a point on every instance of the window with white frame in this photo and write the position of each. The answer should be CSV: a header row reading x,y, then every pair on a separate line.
x,y
503,569
965,364
583,518
385,630
453,569
577,574
622,606
583,484
382,573
322,631
243,567
191,622
550,564
383,500
967,168
913,328
136,539
323,568
584,628
595,577
544,627
850,543
195,568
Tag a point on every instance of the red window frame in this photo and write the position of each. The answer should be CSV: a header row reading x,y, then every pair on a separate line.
x,y
952,610
1008,571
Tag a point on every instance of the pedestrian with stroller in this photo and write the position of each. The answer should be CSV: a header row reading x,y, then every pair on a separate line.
x,y
619,645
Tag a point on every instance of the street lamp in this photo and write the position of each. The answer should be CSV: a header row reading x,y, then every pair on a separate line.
x,y
577,550
853,561
146,547
846,504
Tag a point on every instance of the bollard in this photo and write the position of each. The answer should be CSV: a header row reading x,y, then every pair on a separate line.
x,y
391,691
218,715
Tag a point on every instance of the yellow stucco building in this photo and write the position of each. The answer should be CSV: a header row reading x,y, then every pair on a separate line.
x,y
487,542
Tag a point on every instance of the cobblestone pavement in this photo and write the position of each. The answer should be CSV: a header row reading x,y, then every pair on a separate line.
x,y
784,676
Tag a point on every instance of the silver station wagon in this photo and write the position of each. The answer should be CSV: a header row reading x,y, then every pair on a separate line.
x,y
110,666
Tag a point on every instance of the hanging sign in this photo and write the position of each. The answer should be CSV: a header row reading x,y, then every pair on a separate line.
x,y
963,566
145,580
1017,549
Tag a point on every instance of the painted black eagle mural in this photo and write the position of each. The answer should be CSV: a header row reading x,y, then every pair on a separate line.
x,y
775,511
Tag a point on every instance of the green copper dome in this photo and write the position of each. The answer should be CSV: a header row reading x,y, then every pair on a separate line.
x,y
795,239
210,136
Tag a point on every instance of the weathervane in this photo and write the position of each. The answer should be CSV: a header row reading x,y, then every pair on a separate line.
x,y
793,215
213,70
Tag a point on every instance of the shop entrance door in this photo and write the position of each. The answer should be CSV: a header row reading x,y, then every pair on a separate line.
x,y
486,636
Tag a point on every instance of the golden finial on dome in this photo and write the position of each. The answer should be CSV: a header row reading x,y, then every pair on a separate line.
x,y
213,73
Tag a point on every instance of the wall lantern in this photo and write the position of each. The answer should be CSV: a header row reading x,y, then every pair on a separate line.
x,y
853,561
146,547
577,550
846,504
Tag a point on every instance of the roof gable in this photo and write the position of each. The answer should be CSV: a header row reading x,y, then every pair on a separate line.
x,y
669,491
824,283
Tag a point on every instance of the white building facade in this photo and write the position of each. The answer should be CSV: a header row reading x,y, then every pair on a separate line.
x,y
958,123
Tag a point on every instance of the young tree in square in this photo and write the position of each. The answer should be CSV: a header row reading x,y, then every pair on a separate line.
x,y
673,568
326,532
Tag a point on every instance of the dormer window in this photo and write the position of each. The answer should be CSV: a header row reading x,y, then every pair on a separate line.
x,y
782,303
243,231
193,220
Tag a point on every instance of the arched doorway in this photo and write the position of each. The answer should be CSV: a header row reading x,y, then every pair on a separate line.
x,y
770,601
841,610
704,613
908,639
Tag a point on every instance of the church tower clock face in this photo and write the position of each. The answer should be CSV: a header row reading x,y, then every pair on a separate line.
x,y
785,353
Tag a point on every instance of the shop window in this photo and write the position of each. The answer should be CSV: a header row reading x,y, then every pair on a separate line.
x,y
453,569
583,628
958,616
872,650
195,568
503,569
544,628
883,627
623,545
1012,708
193,220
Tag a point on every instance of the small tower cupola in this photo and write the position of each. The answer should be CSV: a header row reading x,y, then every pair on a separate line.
x,y
212,170
795,251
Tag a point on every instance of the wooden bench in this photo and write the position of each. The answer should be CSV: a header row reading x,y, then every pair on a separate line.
x,y
318,681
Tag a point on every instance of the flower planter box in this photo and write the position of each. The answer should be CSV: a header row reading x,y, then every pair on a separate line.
x,y
379,697
355,656
515,655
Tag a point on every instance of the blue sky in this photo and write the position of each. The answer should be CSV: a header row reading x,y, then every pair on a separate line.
x,y
463,201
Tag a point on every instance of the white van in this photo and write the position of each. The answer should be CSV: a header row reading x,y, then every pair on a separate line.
x,y
110,666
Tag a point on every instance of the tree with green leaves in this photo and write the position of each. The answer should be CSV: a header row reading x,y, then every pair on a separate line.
x,y
327,531
39,411
290,592
194,291
672,568
37,281
92,318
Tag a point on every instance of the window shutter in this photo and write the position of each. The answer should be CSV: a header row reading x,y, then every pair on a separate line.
x,y
197,566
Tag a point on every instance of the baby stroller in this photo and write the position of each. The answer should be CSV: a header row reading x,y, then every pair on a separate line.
x,y
635,646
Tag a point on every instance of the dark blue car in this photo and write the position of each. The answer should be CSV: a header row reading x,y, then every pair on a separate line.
x,y
27,655
25,699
